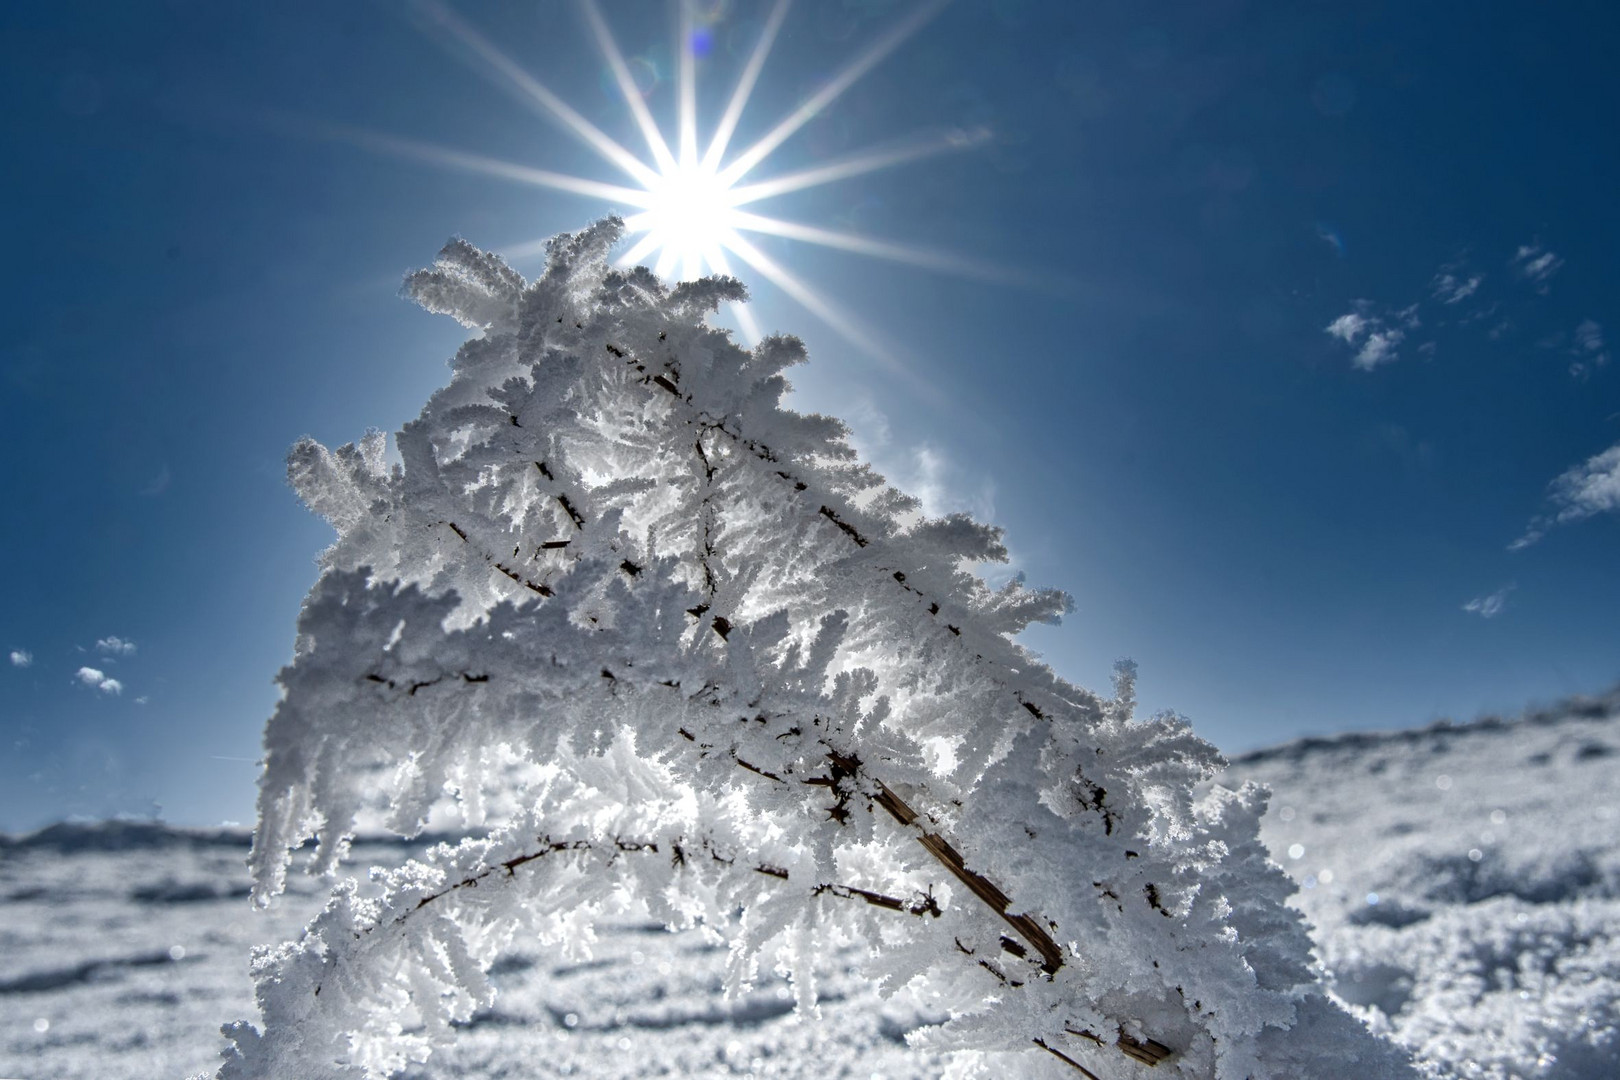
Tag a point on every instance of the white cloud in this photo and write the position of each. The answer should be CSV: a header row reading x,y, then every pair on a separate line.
x,y
115,646
1378,341
1347,328
1536,264
94,679
1588,489
1379,349
1489,607
1451,287
21,658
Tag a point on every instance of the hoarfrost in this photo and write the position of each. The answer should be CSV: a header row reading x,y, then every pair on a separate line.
x,y
745,675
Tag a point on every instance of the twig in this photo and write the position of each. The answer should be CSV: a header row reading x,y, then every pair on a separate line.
x,y
981,886
924,905
1042,1043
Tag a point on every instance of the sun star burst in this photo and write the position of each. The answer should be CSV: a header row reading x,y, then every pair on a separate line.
x,y
685,206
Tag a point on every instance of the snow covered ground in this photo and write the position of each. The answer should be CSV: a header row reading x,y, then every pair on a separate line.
x,y
1464,882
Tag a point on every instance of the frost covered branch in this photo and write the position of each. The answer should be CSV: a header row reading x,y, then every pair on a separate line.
x,y
679,647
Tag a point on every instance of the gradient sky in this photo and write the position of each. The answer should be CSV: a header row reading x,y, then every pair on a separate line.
x,y
1293,529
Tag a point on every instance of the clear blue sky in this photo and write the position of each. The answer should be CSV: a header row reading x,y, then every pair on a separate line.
x,y
1282,525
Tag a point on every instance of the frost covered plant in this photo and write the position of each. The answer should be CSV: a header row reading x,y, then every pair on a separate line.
x,y
712,663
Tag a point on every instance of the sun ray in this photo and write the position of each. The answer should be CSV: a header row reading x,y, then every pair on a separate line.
x,y
926,258
668,259
687,88
534,94
745,85
640,250
860,164
829,93
809,299
627,86
378,143
747,323
716,254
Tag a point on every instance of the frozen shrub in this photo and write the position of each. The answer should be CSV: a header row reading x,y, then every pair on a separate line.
x,y
715,663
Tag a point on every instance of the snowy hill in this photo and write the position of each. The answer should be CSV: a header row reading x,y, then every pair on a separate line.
x,y
1464,882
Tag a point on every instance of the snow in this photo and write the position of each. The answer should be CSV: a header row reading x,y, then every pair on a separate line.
x,y
1465,884
124,946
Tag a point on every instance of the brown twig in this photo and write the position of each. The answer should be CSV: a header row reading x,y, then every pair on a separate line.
x,y
923,905
986,890
1044,1045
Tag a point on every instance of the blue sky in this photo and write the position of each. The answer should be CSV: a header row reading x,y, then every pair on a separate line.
x,y
1227,375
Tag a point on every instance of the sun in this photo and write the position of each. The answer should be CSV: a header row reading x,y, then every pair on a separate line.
x,y
688,218
687,204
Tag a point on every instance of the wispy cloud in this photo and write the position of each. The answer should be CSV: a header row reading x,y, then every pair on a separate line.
x,y
97,680
922,470
1588,489
934,479
1381,333
115,646
21,658
1453,284
1588,352
1330,235
1489,607
1589,335
1535,264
